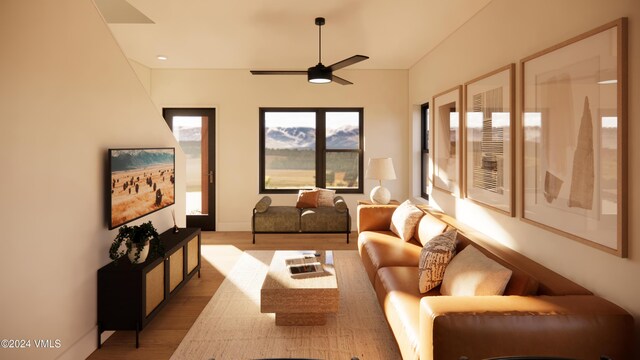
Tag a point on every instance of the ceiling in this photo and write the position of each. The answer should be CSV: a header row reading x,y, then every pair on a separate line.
x,y
281,34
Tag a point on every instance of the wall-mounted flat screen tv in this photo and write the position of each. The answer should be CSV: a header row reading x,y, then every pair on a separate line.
x,y
141,181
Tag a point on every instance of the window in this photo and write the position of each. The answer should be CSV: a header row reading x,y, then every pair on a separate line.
x,y
424,150
306,147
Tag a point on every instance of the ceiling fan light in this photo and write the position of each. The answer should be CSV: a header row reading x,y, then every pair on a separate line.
x,y
319,74
319,81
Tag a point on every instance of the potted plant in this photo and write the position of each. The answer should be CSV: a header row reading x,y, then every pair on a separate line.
x,y
140,240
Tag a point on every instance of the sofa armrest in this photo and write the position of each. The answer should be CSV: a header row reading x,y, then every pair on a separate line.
x,y
374,217
263,204
339,204
575,326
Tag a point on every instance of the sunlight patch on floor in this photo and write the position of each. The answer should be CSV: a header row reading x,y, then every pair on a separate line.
x,y
221,257
228,260
243,276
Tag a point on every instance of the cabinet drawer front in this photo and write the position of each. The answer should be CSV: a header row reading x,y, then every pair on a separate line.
x,y
192,252
154,289
176,268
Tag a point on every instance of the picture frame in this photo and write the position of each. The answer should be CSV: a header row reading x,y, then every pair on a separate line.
x,y
574,138
447,144
489,139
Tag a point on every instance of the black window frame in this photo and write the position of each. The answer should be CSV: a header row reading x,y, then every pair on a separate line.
x,y
424,149
321,149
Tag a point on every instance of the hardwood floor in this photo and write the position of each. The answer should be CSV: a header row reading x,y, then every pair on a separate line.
x,y
220,251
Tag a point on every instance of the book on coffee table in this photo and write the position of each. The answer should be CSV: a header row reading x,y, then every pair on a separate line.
x,y
305,269
302,259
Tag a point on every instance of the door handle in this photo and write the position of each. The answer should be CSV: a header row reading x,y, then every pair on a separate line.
x,y
210,176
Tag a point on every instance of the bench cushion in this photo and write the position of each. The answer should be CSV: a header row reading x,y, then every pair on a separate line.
x,y
323,219
277,219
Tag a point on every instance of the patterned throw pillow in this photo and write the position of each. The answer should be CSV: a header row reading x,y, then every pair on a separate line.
x,y
325,197
404,220
307,199
434,257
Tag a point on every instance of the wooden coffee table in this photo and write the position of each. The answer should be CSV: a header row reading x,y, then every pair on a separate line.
x,y
299,301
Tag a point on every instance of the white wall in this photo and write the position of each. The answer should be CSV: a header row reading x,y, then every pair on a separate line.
x,y
237,96
143,73
67,94
505,32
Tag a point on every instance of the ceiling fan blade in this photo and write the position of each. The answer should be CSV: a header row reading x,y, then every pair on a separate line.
x,y
340,80
278,72
349,61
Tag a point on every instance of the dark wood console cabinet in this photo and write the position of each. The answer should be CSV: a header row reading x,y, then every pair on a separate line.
x,y
130,296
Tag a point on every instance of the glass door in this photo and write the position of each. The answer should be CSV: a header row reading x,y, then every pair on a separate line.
x,y
194,130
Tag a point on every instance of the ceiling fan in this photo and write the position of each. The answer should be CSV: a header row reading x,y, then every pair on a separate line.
x,y
318,74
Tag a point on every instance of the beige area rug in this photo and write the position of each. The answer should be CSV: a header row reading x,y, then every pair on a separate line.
x,y
231,326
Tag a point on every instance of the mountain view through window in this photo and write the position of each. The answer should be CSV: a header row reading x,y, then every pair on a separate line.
x,y
290,150
292,140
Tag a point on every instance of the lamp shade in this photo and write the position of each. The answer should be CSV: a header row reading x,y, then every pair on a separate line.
x,y
380,169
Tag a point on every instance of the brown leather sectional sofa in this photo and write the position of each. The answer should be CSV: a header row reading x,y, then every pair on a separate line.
x,y
541,313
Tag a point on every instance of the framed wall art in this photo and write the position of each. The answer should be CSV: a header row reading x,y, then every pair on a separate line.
x,y
489,139
141,181
574,138
447,146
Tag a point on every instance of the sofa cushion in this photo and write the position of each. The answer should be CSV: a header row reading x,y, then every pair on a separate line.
x,y
428,227
404,220
399,298
471,273
383,248
325,197
434,258
307,199
323,219
277,219
374,217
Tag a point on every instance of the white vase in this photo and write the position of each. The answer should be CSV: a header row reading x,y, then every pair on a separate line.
x,y
143,253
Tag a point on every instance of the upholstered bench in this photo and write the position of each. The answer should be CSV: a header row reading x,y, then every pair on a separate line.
x,y
269,219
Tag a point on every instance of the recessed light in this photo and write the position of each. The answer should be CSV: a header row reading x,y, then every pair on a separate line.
x,y
161,57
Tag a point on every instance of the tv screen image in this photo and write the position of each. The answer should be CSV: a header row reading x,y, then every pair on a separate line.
x,y
142,181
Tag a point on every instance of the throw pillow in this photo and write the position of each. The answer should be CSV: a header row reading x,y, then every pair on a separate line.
x,y
325,197
472,273
404,220
307,199
434,257
428,227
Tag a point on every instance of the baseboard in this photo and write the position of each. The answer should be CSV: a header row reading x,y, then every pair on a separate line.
x,y
85,346
234,226
105,335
